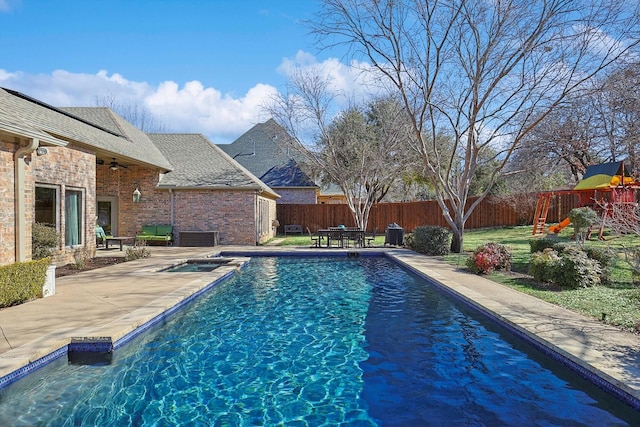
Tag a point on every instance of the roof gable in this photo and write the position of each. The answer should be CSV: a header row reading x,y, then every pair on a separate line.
x,y
266,150
197,163
64,125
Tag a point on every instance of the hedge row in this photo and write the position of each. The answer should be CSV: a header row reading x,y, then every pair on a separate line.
x,y
22,281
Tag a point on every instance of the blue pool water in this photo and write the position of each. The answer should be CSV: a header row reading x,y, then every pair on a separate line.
x,y
317,342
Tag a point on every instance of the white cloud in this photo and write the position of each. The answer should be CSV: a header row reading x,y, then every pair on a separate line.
x,y
356,81
192,107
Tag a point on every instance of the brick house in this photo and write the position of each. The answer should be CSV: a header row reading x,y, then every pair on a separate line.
x,y
210,191
71,168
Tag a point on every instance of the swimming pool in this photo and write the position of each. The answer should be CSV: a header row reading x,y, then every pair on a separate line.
x,y
316,341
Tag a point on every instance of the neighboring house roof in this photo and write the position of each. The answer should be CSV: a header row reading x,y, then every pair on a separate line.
x,y
197,163
43,119
266,150
288,175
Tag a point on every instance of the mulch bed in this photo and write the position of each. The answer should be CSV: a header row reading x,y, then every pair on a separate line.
x,y
91,264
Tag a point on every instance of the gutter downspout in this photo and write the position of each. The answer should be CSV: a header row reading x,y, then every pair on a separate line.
x,y
20,208
172,206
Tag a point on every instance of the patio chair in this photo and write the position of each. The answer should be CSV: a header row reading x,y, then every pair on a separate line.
x,y
315,240
370,238
355,235
336,234
101,236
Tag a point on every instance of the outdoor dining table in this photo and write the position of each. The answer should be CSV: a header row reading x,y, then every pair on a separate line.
x,y
342,236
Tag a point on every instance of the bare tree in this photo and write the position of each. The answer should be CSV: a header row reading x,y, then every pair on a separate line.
x,y
135,114
363,149
483,72
624,221
567,138
617,105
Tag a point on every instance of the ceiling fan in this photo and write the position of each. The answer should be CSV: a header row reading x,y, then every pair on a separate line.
x,y
115,165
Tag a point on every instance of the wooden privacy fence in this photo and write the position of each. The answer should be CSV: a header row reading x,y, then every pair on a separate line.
x,y
409,215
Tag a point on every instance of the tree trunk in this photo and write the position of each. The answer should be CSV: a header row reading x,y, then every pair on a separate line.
x,y
457,236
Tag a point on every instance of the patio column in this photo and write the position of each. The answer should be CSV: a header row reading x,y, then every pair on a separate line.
x,y
20,208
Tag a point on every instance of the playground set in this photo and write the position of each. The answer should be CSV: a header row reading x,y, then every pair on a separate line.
x,y
604,187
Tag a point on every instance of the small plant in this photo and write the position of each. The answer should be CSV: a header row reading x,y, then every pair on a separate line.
x,y
44,239
137,251
543,265
632,257
80,258
583,219
489,257
430,240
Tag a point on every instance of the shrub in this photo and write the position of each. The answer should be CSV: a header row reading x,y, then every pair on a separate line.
x,y
576,269
543,265
489,257
606,257
137,252
430,240
539,245
80,258
22,281
44,239
560,246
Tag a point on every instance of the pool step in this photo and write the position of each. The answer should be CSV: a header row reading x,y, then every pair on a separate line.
x,y
90,351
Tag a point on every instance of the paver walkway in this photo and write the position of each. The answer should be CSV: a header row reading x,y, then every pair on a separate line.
x,y
114,300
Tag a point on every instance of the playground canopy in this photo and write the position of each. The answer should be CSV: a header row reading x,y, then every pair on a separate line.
x,y
604,175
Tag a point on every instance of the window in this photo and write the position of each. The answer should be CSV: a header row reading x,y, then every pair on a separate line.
x,y
74,217
46,205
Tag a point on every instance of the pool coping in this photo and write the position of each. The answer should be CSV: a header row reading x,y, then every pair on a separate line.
x,y
600,362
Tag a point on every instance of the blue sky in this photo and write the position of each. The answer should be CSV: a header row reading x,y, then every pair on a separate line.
x,y
201,66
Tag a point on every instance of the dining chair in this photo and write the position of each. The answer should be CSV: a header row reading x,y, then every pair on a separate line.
x,y
315,240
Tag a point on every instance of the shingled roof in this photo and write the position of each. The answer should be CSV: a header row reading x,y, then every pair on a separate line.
x,y
199,164
266,150
141,149
115,139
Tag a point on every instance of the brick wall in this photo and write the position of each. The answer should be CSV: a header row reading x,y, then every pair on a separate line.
x,y
67,168
154,206
7,207
231,213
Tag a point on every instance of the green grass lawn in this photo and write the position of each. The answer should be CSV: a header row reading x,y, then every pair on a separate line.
x,y
617,302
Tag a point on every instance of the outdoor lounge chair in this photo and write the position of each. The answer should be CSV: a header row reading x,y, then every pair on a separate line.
x,y
101,236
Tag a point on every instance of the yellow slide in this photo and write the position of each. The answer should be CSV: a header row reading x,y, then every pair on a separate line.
x,y
558,228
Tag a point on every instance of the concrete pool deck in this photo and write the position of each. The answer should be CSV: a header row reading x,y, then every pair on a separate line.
x,y
113,301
